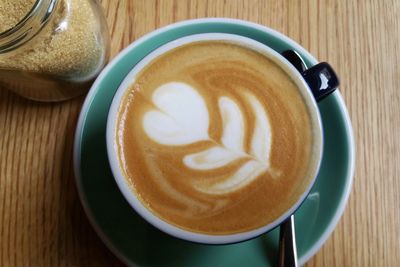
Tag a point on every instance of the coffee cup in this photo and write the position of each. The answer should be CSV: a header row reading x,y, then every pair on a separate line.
x,y
216,138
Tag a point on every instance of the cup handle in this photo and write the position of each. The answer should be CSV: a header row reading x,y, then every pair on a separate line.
x,y
321,78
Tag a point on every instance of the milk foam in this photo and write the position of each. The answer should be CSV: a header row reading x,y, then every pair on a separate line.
x,y
181,118
233,125
261,141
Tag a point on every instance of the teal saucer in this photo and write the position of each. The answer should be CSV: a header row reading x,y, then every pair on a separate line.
x,y
139,244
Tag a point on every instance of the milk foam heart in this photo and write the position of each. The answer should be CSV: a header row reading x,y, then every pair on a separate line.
x,y
181,118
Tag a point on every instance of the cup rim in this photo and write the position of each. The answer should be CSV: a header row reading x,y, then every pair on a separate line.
x,y
124,186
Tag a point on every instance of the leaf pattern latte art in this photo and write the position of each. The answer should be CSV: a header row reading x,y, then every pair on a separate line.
x,y
181,118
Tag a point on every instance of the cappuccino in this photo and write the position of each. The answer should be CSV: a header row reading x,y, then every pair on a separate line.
x,y
216,138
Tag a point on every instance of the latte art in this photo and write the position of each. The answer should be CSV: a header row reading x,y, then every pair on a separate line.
x,y
215,138
182,118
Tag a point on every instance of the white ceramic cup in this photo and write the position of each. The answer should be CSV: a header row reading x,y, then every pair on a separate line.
x,y
114,157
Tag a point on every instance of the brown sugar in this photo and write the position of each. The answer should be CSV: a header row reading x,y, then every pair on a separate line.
x,y
13,11
69,46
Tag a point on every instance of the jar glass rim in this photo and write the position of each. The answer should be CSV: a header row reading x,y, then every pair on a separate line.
x,y
28,27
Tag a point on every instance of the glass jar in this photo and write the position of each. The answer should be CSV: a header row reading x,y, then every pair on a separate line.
x,y
55,51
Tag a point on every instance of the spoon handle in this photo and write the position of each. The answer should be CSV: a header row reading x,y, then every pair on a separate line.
x,y
287,244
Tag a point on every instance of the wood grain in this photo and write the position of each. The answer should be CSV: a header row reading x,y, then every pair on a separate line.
x,y
41,220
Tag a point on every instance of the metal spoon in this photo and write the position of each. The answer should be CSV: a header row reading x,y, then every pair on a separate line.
x,y
287,244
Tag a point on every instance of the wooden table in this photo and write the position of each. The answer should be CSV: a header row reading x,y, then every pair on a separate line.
x,y
41,219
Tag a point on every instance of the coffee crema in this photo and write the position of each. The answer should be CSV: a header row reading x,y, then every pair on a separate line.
x,y
216,138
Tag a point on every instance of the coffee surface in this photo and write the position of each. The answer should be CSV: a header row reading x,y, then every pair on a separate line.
x,y
216,138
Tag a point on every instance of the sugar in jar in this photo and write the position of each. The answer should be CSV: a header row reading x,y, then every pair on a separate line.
x,y
51,50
